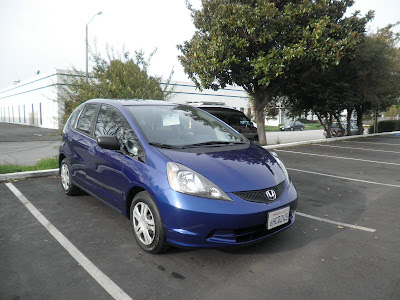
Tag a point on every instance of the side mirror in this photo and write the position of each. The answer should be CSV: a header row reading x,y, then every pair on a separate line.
x,y
132,148
108,142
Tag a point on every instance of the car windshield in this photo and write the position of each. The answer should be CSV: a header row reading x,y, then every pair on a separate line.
x,y
181,126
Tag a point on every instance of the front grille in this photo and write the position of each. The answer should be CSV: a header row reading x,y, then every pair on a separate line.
x,y
261,196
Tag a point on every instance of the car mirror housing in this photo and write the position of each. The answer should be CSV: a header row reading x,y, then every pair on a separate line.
x,y
108,142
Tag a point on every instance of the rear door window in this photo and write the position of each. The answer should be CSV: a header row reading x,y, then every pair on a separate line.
x,y
85,119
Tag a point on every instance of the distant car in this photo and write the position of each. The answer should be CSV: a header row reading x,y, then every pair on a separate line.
x,y
292,125
234,118
180,175
337,132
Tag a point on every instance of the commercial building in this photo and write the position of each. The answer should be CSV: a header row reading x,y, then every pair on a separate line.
x,y
35,101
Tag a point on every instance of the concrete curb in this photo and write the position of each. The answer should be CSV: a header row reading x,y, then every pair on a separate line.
x,y
28,174
395,133
44,173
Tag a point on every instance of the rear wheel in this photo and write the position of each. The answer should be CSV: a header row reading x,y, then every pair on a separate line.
x,y
147,225
66,179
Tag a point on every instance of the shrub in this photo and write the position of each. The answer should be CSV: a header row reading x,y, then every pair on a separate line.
x,y
387,126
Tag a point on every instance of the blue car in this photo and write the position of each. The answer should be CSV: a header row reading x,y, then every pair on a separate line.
x,y
181,176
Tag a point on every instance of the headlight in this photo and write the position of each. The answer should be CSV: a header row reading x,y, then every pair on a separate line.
x,y
281,165
185,180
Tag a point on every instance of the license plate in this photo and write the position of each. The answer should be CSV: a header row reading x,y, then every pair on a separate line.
x,y
278,217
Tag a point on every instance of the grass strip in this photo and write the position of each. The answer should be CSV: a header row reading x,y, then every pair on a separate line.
x,y
44,163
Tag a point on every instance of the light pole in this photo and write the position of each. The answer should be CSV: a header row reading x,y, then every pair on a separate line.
x,y
87,46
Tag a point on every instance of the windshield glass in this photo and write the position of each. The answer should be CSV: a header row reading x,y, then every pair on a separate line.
x,y
181,125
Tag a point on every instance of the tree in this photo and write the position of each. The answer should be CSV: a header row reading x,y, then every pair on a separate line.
x,y
114,78
326,93
376,68
393,112
257,43
368,81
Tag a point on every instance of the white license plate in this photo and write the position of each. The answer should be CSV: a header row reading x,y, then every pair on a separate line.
x,y
278,217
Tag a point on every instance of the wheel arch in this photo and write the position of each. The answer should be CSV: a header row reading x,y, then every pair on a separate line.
x,y
129,198
60,159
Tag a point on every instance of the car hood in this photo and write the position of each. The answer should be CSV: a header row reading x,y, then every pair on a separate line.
x,y
253,168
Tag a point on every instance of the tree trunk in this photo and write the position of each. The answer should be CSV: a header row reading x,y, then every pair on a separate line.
x,y
260,117
360,113
349,113
327,126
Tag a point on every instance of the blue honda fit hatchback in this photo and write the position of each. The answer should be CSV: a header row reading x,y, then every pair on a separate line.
x,y
181,176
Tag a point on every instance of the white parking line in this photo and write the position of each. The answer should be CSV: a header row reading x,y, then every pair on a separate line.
x,y
353,148
340,157
115,291
375,143
345,178
336,223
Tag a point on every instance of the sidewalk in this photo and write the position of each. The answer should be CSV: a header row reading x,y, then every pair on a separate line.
x,y
24,145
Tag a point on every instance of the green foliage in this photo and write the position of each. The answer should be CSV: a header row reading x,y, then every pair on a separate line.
x,y
256,44
376,72
114,78
388,126
393,111
368,81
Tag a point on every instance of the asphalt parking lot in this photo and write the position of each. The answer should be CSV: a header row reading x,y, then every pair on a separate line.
x,y
343,245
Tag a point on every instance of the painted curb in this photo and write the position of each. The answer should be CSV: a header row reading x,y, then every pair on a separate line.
x,y
28,174
51,172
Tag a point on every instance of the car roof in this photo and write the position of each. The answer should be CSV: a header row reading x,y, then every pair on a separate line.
x,y
130,102
219,108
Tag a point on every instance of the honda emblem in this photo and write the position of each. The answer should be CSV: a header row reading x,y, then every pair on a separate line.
x,y
271,194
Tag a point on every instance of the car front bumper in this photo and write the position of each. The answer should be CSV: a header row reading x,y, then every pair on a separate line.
x,y
191,221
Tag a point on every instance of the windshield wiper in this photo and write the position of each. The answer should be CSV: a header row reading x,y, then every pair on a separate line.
x,y
212,143
166,146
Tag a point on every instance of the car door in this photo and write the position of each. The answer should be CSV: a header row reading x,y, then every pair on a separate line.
x,y
109,179
82,145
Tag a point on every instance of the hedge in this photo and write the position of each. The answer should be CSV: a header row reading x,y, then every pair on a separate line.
x,y
387,126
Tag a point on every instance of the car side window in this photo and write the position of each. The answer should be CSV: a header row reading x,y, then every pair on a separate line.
x,y
86,117
74,116
232,120
111,122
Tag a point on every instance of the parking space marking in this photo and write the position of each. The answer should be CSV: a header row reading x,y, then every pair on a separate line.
x,y
336,223
106,283
339,157
353,148
375,143
345,178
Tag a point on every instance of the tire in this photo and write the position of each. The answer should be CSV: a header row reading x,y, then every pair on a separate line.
x,y
292,129
147,226
66,179
301,128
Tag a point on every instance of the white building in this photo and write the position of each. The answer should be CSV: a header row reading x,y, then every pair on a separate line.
x,y
35,101
32,102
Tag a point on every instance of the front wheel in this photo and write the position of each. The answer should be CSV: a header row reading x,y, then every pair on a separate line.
x,y
66,179
147,225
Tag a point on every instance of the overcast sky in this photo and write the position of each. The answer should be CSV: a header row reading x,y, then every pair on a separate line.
x,y
41,35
